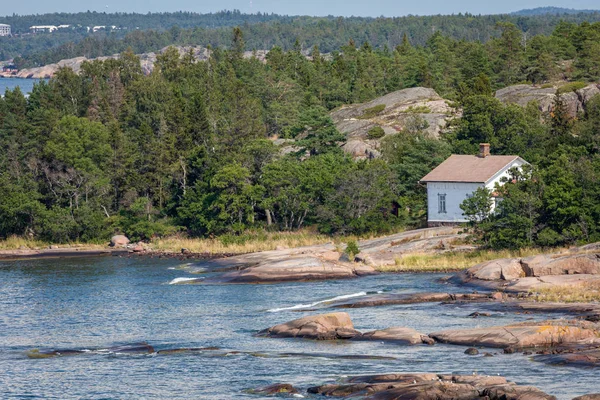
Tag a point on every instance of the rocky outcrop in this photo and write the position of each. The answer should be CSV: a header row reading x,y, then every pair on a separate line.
x,y
522,95
524,335
319,327
395,112
576,267
324,261
545,265
429,386
295,268
147,61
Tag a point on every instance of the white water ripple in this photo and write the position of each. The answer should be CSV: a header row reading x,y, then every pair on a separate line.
x,y
182,280
302,306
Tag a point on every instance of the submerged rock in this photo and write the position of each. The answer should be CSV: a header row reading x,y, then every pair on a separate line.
x,y
318,327
577,357
271,390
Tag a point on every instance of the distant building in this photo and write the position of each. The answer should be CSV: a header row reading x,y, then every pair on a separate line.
x,y
42,28
458,177
4,30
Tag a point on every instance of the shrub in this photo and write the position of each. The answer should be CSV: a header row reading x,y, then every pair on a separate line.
x,y
417,110
376,132
571,87
372,112
352,250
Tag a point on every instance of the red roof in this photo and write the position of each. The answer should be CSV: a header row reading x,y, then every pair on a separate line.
x,y
472,169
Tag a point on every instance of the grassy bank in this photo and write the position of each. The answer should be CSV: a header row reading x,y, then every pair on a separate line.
x,y
584,293
20,243
248,242
451,261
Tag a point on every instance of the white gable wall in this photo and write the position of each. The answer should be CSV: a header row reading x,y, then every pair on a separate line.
x,y
456,193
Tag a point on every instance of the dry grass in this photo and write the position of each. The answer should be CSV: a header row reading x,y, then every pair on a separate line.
x,y
21,243
246,243
451,261
584,293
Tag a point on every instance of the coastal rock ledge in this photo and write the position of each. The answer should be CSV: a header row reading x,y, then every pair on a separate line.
x,y
429,387
339,326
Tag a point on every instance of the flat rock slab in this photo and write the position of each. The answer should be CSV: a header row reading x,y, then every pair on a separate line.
x,y
399,335
429,387
304,268
576,358
524,335
387,299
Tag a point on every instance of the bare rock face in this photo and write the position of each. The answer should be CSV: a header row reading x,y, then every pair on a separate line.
x,y
544,265
504,268
397,335
575,102
401,110
119,241
429,386
318,327
524,335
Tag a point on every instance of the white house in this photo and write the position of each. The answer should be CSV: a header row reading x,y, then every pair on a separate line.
x,y
4,30
458,177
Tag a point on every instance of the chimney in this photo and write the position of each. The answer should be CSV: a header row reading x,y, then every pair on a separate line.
x,y
484,150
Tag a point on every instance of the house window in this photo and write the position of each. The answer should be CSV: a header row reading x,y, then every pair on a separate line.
x,y
441,204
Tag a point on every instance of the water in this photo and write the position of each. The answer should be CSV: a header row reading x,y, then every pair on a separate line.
x,y
26,85
101,302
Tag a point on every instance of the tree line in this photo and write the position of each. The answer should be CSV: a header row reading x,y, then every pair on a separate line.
x,y
262,32
191,147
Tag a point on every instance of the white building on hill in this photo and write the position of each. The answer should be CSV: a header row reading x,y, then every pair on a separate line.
x,y
5,30
43,28
458,177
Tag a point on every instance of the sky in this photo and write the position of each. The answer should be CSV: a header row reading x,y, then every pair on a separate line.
x,y
373,8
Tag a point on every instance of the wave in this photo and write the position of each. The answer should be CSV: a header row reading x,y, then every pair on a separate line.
x,y
338,298
182,280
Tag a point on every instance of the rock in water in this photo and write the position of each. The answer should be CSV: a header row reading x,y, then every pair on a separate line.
x,y
397,335
318,327
274,389
472,351
524,335
119,241
429,386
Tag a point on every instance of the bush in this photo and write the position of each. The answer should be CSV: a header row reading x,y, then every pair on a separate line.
x,y
351,250
376,132
372,112
571,87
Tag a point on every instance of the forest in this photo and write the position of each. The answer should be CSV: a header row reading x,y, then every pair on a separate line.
x,y
190,149
151,32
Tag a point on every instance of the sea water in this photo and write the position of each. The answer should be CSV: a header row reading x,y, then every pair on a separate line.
x,y
97,303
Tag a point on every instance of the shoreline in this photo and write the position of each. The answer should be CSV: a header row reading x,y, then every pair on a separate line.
x,y
27,254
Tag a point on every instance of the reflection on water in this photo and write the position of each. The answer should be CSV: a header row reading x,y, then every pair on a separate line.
x,y
101,303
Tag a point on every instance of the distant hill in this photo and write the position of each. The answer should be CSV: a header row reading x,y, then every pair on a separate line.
x,y
552,11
